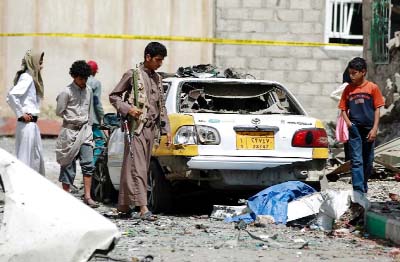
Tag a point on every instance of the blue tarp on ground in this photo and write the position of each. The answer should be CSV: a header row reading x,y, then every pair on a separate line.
x,y
274,201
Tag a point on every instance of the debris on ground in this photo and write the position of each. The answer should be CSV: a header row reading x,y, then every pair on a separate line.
x,y
274,201
221,212
304,206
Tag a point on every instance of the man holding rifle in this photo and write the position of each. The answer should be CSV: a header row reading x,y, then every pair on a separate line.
x,y
138,97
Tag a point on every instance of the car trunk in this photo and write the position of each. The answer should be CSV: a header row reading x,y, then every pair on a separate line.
x,y
271,137
253,118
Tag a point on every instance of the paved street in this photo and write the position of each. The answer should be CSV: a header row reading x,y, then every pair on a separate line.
x,y
191,235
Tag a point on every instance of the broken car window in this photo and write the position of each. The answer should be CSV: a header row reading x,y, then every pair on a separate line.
x,y
234,97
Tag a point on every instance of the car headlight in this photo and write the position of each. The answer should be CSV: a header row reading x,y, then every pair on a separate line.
x,y
208,135
193,135
186,135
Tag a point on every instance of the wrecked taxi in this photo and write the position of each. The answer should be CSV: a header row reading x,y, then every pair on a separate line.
x,y
230,134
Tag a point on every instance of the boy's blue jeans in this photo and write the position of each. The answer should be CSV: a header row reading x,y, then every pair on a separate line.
x,y
99,142
362,157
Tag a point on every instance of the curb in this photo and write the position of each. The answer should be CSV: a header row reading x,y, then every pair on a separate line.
x,y
383,227
47,127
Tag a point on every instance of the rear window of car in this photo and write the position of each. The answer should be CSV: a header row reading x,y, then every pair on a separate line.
x,y
235,98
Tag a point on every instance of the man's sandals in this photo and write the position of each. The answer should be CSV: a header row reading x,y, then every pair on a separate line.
x,y
90,202
148,216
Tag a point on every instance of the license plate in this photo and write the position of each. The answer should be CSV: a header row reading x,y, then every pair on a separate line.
x,y
255,140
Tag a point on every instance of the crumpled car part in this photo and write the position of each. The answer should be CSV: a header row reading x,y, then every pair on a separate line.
x,y
43,223
199,71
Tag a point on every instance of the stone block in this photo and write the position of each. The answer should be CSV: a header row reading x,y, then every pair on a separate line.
x,y
226,50
331,65
312,16
317,38
252,26
289,15
324,102
252,3
300,52
233,35
236,62
275,75
275,51
235,13
258,74
262,14
302,28
250,51
275,4
298,76
228,25
283,63
319,28
307,64
320,53
309,89
318,4
323,77
305,100
276,27
259,63
300,4
228,3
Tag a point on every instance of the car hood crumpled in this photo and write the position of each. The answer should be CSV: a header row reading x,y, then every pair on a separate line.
x,y
43,223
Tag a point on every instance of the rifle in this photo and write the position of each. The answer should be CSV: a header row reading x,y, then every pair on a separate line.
x,y
128,136
140,101
142,119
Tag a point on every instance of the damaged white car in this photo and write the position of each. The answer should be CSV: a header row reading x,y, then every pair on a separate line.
x,y
42,222
230,134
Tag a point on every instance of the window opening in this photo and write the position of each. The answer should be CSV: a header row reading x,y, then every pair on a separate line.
x,y
394,18
235,98
344,21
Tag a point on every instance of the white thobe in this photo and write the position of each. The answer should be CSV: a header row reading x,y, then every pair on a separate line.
x,y
22,99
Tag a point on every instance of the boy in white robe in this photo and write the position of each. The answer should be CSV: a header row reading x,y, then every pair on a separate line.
x,y
24,99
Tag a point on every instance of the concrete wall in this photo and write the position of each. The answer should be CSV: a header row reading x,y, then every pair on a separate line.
x,y
114,56
312,73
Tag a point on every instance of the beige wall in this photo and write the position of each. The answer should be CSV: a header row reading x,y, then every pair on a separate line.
x,y
114,56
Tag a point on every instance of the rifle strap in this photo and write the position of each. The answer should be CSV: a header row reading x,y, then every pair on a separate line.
x,y
138,96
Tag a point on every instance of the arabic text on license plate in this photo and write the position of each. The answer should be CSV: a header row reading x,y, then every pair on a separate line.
x,y
255,140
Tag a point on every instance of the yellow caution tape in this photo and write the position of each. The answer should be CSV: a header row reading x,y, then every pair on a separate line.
x,y
179,39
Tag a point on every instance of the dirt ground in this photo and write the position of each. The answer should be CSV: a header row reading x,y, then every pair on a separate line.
x,y
191,235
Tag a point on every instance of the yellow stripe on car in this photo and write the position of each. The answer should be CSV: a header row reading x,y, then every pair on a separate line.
x,y
176,121
323,152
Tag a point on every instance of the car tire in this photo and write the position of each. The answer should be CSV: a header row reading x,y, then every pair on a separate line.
x,y
102,189
159,189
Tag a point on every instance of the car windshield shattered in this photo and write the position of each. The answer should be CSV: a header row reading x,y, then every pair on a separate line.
x,y
235,98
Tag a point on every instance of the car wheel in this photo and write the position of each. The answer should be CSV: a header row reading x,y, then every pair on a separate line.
x,y
102,189
159,189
